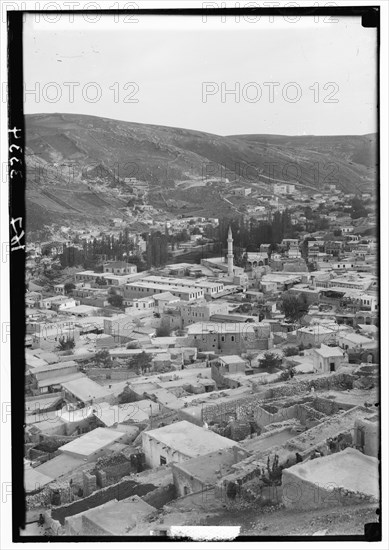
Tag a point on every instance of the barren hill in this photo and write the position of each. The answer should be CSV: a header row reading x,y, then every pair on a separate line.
x,y
73,161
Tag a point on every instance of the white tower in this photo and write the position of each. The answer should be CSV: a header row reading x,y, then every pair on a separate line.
x,y
230,253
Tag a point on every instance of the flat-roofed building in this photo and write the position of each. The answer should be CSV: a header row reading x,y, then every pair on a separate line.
x,y
49,378
85,391
141,304
143,288
180,441
316,335
92,445
354,475
352,340
120,268
201,473
229,338
112,279
113,518
327,359
200,311
211,288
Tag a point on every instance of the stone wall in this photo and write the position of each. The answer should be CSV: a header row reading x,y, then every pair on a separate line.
x,y
125,488
240,408
101,478
52,524
329,407
161,496
110,374
184,482
89,483
246,407
117,471
309,416
338,381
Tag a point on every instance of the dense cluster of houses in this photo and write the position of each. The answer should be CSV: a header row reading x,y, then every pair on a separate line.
x,y
195,380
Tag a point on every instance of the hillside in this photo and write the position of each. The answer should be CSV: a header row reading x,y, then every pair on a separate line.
x,y
75,161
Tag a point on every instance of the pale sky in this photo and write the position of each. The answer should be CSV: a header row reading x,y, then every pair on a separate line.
x,y
170,60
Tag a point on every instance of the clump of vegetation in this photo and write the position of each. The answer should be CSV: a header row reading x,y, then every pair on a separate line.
x,y
115,300
291,350
66,343
163,330
270,362
287,374
140,362
293,306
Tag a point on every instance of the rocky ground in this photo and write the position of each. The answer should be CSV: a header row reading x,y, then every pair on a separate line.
x,y
257,521
278,521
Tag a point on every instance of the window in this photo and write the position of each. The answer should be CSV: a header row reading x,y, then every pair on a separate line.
x,y
162,460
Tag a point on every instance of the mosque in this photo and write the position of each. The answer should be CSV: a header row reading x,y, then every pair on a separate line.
x,y
229,272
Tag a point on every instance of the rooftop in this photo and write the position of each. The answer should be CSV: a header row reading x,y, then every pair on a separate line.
x,y
340,469
86,389
357,338
189,439
118,264
59,465
53,367
33,479
231,359
165,296
208,468
328,351
117,517
91,442
223,328
60,379
316,329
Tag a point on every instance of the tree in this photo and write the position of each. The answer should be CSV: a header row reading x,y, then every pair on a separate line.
x,y
157,249
163,330
270,362
337,232
69,287
246,307
250,355
101,281
132,345
195,231
140,362
357,209
304,247
291,350
115,300
287,374
66,343
293,306
103,358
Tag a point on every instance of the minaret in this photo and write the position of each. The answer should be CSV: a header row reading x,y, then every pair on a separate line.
x,y
230,253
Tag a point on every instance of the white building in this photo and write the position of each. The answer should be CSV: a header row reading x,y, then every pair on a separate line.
x,y
180,441
327,359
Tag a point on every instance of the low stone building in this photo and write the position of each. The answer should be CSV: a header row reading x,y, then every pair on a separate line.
x,y
347,477
202,473
327,359
112,518
179,441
